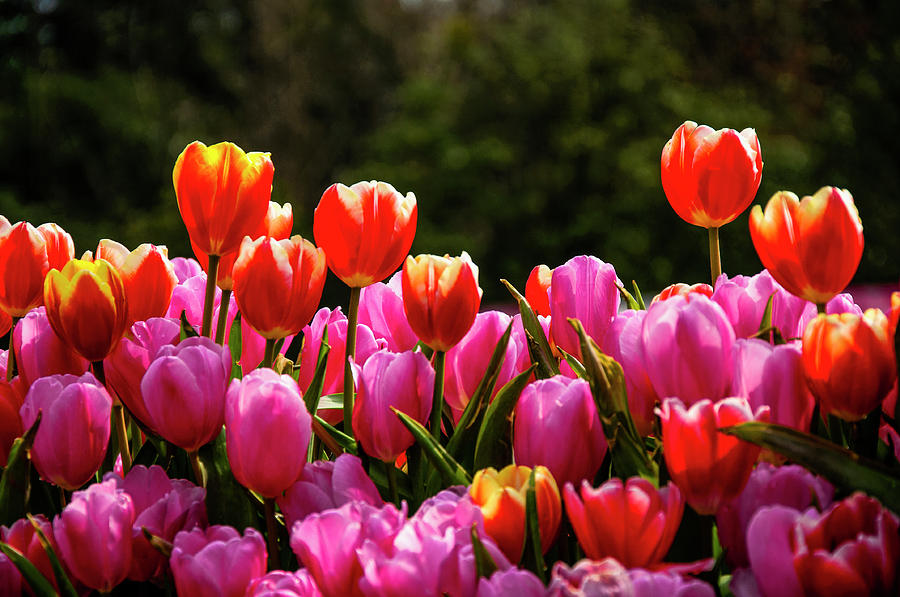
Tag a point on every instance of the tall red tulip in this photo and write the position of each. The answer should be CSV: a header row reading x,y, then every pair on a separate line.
x,y
811,246
23,266
366,230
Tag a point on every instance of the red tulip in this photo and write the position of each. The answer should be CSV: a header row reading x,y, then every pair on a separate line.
x,y
710,177
278,284
10,423
222,194
812,246
682,289
60,247
147,274
23,266
366,230
537,289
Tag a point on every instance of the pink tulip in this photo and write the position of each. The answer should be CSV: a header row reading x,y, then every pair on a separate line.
x,y
126,365
71,440
189,296
586,289
744,299
791,485
185,267
10,578
279,583
40,352
381,310
217,561
589,577
511,582
552,409
324,485
686,342
262,406
651,584
94,535
22,537
773,376
623,343
404,381
841,303
184,391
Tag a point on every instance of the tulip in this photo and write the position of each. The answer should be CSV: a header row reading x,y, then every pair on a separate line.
x,y
708,466
59,244
440,298
188,298
253,348
22,537
366,230
5,323
686,343
74,431
651,584
550,409
279,583
812,246
623,343
184,391
710,177
501,497
10,423
147,274
40,352
402,381
381,310
10,579
681,289
261,406
217,561
185,268
744,300
537,290
511,582
87,307
589,577
24,265
849,362
633,522
94,535
586,289
278,284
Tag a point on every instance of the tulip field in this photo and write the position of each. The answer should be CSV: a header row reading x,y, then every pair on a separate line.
x,y
174,425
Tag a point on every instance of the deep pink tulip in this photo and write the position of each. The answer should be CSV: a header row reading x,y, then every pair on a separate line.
x,y
686,342
403,380
262,406
791,485
189,296
651,584
125,366
708,466
10,578
744,299
94,535
40,352
324,485
634,522
71,440
381,310
555,408
583,288
217,562
22,537
279,583
623,343
184,391
513,581
773,376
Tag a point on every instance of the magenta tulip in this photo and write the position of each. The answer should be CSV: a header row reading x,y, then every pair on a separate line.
x,y
262,406
71,440
184,391
744,299
586,289
40,352
22,537
217,561
555,408
623,343
650,584
381,310
10,578
94,535
279,583
686,342
185,267
188,297
513,581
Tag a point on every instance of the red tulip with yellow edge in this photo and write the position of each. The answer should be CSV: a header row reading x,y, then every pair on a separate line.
x,y
811,246
86,306
147,274
23,266
848,362
501,498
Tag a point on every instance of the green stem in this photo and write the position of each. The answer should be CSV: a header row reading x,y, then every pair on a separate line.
x,y
437,402
223,316
271,532
391,471
11,354
820,309
715,257
62,497
352,318
211,275
118,419
197,467
269,354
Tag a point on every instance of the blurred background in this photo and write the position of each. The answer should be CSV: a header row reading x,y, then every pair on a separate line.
x,y
530,131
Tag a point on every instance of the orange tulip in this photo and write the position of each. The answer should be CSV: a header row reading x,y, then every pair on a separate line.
x,y
86,306
812,246
848,361
366,230
710,177
222,194
440,298
147,274
501,498
278,284
23,267
537,290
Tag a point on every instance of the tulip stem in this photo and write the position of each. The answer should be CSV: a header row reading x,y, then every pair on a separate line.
x,y
437,403
391,471
352,318
715,257
118,419
269,354
271,532
820,309
223,317
11,354
62,497
197,466
211,275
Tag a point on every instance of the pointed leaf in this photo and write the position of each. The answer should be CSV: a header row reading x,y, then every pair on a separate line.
x,y
62,579
14,484
574,363
450,470
337,441
538,346
637,296
40,585
314,391
629,299
533,557
493,447
485,565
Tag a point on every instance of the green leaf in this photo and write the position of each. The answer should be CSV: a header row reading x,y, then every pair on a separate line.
x,y
629,299
14,484
313,394
532,554
40,585
493,447
485,565
347,443
843,468
62,580
235,343
637,296
538,346
226,499
450,470
574,363
187,330
331,401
